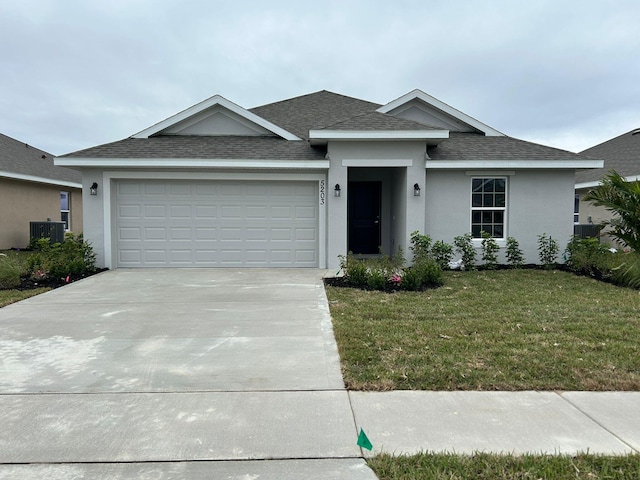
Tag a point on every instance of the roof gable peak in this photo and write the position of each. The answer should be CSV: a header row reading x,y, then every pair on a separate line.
x,y
213,117
422,107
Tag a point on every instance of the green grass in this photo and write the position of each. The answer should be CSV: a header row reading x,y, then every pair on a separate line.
x,y
11,296
506,467
491,330
12,264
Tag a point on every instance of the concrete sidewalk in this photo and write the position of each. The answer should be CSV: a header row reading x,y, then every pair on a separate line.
x,y
405,423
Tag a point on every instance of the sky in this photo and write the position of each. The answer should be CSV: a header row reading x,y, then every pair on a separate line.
x,y
79,73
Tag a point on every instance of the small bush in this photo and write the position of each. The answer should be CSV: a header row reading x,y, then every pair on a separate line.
x,y
628,273
420,246
73,257
515,257
354,269
490,249
442,254
464,246
425,273
588,257
548,250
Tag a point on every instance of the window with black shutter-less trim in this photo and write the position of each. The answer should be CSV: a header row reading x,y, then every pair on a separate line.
x,y
488,207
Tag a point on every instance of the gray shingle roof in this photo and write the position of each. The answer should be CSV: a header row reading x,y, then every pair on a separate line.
x,y
372,121
19,158
317,111
202,147
621,154
474,146
314,111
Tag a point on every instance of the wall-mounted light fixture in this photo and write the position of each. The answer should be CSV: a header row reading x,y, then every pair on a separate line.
x,y
93,189
336,190
416,190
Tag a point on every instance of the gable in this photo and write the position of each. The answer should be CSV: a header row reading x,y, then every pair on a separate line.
x,y
217,120
216,116
421,107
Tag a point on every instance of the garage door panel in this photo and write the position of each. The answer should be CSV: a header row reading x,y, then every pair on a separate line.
x,y
215,223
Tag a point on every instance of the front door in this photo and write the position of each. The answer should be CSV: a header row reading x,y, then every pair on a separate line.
x,y
364,200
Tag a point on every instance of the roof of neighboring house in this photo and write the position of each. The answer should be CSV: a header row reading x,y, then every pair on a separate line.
x,y
318,112
22,161
621,154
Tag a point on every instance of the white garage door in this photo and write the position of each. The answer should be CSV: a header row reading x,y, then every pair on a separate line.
x,y
216,224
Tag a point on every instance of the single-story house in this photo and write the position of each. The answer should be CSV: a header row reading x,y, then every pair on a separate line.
x,y
32,188
621,154
299,182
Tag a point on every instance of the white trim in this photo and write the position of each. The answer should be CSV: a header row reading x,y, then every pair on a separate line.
x,y
533,164
192,163
505,219
595,183
491,173
208,103
377,163
33,178
378,134
109,177
443,107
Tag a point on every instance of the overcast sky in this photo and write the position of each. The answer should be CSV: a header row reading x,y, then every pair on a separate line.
x,y
78,73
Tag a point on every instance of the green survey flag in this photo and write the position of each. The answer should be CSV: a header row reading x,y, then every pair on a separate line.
x,y
363,441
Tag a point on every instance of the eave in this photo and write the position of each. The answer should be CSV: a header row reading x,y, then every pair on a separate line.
x,y
513,164
36,179
432,137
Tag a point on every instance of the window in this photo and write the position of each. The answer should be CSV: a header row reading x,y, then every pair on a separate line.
x,y
576,209
65,209
488,206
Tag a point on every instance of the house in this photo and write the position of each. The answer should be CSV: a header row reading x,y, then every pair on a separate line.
x,y
299,182
621,154
32,188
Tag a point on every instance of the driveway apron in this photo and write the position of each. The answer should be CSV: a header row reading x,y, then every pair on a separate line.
x,y
132,370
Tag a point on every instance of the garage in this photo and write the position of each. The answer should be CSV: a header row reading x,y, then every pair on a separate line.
x,y
215,223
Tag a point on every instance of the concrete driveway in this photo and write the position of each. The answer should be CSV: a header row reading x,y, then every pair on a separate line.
x,y
163,373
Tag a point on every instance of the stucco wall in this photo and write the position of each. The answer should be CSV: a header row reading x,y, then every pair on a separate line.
x,y
404,212
23,202
538,202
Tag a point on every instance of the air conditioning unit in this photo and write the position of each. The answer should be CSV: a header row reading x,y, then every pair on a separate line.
x,y
54,231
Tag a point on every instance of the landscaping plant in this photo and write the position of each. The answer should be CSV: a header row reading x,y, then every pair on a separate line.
x,y
490,249
11,269
623,199
464,246
73,257
548,250
515,257
442,254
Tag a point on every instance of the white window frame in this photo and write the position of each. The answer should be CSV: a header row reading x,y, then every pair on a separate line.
x,y
576,210
67,227
493,208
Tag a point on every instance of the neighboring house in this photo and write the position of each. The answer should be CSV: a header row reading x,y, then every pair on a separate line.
x,y
32,188
621,154
299,182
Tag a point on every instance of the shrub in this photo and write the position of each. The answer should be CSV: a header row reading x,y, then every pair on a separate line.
x,y
515,257
464,246
442,254
73,257
11,269
420,246
547,250
490,249
425,273
587,256
355,270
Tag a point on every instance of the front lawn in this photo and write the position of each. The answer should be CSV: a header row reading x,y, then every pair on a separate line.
x,y
491,330
506,467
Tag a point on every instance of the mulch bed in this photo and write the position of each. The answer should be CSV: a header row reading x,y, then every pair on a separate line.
x,y
28,283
